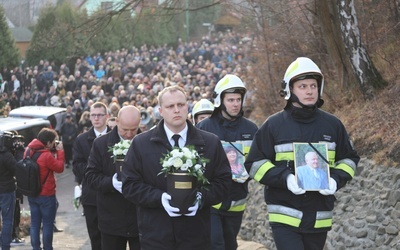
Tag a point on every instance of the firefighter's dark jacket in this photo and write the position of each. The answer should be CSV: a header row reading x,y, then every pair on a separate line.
x,y
271,160
240,130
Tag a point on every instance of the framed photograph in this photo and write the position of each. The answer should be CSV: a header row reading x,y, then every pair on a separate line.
x,y
311,166
235,154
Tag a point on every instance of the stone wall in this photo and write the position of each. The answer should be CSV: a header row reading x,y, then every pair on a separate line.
x,y
366,214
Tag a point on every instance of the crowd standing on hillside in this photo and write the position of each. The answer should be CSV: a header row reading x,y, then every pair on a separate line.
x,y
128,76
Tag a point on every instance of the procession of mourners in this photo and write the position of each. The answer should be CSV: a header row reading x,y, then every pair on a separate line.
x,y
162,148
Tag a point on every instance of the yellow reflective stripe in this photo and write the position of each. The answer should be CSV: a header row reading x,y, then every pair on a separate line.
x,y
217,206
292,217
292,67
284,156
246,149
223,83
246,146
323,223
284,219
238,208
262,170
346,168
331,157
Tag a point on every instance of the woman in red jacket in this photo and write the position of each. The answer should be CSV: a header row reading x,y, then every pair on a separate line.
x,y
43,207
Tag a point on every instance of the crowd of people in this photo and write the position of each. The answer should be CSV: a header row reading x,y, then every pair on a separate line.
x,y
105,96
127,76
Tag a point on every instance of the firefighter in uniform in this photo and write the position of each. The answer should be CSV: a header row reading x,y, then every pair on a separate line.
x,y
202,110
300,219
234,130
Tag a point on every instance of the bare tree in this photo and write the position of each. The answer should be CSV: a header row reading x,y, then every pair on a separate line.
x,y
348,50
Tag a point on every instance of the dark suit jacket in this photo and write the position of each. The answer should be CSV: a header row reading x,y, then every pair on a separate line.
x,y
144,186
117,216
81,151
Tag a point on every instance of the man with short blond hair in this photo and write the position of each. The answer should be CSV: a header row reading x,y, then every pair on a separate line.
x,y
161,225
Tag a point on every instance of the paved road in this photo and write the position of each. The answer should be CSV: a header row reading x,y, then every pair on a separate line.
x,y
75,234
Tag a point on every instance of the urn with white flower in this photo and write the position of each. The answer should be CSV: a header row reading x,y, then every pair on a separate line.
x,y
119,150
184,170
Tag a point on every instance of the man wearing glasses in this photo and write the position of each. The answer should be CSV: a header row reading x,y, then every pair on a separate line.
x,y
82,146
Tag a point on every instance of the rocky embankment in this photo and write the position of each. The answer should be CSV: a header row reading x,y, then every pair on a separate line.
x,y
366,215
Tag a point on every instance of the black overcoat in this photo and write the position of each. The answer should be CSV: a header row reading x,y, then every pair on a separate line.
x,y
143,185
117,215
81,150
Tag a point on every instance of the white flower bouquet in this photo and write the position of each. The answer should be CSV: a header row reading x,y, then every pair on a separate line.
x,y
120,149
185,160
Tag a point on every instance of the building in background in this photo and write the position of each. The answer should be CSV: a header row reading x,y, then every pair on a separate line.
x,y
23,37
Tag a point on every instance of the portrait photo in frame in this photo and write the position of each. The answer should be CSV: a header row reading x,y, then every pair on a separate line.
x,y
234,153
311,166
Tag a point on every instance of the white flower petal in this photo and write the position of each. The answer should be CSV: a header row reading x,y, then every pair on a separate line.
x,y
177,162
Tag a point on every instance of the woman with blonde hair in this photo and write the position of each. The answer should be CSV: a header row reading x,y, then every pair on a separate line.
x,y
84,122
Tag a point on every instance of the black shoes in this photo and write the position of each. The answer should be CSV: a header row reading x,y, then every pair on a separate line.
x,y
57,230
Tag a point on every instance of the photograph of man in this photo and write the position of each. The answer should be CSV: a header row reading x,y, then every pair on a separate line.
x,y
312,176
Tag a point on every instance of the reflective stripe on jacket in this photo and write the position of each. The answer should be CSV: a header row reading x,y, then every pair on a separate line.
x,y
271,160
293,217
239,131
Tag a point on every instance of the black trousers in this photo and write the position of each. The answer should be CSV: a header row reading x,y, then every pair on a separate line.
x,y
288,239
92,226
224,230
116,242
17,219
68,152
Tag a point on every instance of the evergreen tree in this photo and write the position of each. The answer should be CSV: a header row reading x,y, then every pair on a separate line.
x,y
9,54
56,37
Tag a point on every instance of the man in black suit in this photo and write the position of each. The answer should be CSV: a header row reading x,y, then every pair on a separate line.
x,y
81,150
161,225
117,215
